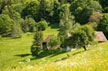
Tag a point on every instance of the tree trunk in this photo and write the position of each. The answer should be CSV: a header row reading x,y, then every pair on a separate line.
x,y
84,48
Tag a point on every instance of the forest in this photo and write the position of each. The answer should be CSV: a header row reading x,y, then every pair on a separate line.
x,y
66,23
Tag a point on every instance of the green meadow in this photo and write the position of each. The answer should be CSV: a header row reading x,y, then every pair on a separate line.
x,y
15,55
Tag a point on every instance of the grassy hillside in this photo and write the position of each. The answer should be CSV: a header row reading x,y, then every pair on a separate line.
x,y
95,59
14,51
15,55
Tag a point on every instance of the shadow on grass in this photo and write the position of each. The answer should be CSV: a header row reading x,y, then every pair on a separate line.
x,y
49,53
23,55
80,52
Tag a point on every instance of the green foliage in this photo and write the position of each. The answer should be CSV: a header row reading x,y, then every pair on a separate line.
x,y
5,24
29,25
82,9
106,9
39,10
89,32
103,25
95,17
16,31
56,12
42,25
67,21
31,10
37,44
104,4
93,25
53,42
79,38
82,36
45,10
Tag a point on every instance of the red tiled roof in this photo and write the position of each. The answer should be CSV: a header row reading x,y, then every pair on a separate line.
x,y
100,36
48,38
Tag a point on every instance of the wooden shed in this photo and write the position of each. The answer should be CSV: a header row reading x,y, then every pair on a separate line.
x,y
45,42
100,37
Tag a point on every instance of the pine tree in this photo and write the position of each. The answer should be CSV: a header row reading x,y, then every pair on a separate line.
x,y
67,22
16,31
37,44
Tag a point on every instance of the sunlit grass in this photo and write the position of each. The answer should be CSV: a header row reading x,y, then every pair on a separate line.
x,y
12,50
95,59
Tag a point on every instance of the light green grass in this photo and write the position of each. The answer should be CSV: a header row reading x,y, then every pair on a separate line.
x,y
95,59
11,50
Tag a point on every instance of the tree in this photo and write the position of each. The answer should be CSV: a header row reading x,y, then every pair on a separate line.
x,y
82,37
82,9
5,25
37,44
29,25
56,12
67,21
104,4
103,25
42,25
67,24
3,3
79,38
45,10
95,17
31,10
16,31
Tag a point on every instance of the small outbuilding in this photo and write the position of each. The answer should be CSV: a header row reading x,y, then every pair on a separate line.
x,y
100,37
44,44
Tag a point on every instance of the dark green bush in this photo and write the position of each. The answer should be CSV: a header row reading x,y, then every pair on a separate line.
x,y
37,44
42,25
53,42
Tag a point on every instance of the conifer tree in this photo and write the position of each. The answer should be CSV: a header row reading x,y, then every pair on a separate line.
x,y
16,31
37,44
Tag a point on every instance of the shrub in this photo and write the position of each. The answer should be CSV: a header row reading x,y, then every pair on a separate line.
x,y
42,25
53,42
37,44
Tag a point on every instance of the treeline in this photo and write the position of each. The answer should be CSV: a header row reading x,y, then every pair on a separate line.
x,y
18,16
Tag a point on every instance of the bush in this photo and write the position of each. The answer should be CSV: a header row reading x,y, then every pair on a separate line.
x,y
53,42
42,25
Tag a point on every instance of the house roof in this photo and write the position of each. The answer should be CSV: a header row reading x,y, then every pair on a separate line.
x,y
100,36
48,38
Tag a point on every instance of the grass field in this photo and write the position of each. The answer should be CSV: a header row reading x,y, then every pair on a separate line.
x,y
15,55
13,51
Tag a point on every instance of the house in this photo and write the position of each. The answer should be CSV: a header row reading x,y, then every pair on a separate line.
x,y
100,37
44,44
